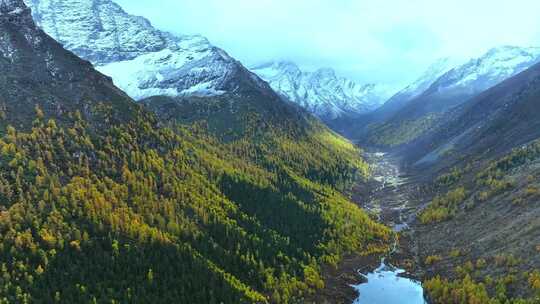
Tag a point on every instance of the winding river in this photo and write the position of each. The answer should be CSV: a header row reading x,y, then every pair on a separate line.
x,y
386,284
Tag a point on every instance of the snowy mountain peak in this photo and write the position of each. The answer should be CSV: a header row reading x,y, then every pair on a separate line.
x,y
193,42
97,30
321,92
494,66
274,69
415,89
510,50
142,60
506,59
432,73
441,65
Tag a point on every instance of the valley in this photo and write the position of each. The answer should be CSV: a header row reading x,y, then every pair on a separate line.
x,y
482,251
470,193
388,197
139,165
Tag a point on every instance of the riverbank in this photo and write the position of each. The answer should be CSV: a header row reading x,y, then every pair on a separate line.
x,y
338,282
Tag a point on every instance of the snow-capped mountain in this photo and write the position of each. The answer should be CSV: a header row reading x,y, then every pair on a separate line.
x,y
455,88
415,89
470,79
434,71
481,73
8,7
142,60
322,92
500,119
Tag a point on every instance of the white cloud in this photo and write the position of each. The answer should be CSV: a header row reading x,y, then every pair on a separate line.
x,y
375,40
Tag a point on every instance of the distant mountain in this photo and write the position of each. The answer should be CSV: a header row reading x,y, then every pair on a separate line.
x,y
142,60
475,76
322,92
357,127
400,99
452,89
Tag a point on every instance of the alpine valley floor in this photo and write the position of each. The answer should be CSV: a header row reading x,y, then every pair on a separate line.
x,y
482,252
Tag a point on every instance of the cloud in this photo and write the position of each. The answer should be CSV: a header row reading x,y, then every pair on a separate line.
x,y
369,40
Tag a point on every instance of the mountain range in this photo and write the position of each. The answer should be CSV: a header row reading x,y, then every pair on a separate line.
x,y
142,60
475,76
138,166
413,116
146,62
322,92
223,198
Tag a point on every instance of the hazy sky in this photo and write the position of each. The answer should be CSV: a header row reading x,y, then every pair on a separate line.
x,y
389,41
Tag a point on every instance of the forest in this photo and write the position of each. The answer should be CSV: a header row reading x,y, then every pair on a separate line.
x,y
140,212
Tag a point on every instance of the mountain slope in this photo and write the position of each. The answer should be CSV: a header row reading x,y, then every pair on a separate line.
x,y
495,121
357,127
452,89
400,99
142,60
322,92
475,76
37,70
103,202
487,156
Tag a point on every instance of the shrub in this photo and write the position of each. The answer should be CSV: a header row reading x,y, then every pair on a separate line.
x,y
442,207
455,253
432,259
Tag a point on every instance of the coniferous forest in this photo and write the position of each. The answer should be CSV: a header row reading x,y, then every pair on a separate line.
x,y
236,199
142,163
137,213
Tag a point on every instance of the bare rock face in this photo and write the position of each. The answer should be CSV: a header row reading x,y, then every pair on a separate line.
x,y
37,70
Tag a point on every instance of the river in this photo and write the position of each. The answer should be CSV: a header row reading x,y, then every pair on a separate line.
x,y
387,199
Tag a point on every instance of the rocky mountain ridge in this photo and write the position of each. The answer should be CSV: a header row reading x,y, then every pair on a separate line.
x,y
322,92
142,60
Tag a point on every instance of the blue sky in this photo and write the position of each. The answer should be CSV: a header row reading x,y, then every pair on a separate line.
x,y
390,41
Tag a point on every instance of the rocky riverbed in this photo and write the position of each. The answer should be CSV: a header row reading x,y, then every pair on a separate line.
x,y
386,196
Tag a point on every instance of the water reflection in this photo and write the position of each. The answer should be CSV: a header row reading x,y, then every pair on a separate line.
x,y
384,286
